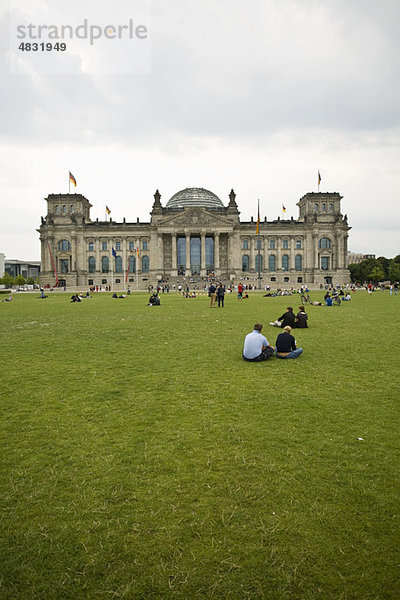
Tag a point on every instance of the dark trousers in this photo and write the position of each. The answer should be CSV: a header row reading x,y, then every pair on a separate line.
x,y
220,301
265,354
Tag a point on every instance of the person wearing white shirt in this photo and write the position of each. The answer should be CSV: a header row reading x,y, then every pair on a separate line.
x,y
256,346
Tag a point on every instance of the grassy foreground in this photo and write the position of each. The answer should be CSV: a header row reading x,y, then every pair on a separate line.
x,y
143,458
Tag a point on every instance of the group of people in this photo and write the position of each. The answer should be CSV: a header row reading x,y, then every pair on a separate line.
x,y
298,321
216,293
257,348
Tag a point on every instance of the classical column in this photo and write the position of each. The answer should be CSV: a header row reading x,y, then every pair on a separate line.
x,y
174,268
187,270
216,252
252,254
291,256
316,266
279,253
160,243
203,271
125,264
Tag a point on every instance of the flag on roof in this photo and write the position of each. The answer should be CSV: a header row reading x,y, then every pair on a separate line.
x,y
108,211
72,179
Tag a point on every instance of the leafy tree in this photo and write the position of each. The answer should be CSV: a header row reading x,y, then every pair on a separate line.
x,y
397,259
394,270
376,274
7,280
30,281
19,280
384,263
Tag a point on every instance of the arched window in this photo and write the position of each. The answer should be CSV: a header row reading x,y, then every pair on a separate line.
x,y
145,264
118,264
64,208
298,244
92,264
331,207
64,245
298,262
272,262
272,244
56,208
323,206
91,246
285,262
245,262
71,208
315,206
325,243
132,264
259,263
105,264
245,244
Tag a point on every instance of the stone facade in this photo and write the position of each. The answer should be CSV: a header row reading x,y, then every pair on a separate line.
x,y
193,237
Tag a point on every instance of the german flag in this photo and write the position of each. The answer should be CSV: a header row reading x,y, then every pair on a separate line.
x,y
108,211
72,179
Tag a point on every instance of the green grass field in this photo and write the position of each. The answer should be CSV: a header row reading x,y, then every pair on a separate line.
x,y
142,458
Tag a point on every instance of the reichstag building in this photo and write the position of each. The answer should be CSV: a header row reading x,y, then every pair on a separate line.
x,y
194,237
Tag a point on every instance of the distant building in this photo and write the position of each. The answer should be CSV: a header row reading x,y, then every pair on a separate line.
x,y
2,263
354,258
192,238
20,267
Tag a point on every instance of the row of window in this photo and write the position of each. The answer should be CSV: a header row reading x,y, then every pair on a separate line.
x,y
118,267
132,247
298,263
272,244
323,243
323,207
64,208
66,245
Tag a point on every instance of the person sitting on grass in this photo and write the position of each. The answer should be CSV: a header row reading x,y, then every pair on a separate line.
x,y
256,346
287,318
301,318
286,345
154,300
7,299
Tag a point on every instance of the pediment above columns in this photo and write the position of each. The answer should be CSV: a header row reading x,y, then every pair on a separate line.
x,y
196,218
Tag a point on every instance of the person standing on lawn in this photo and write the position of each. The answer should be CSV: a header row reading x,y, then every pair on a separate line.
x,y
220,295
211,293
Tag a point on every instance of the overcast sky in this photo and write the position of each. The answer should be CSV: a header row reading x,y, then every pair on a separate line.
x,y
257,95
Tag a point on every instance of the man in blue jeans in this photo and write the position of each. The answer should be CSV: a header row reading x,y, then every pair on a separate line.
x,y
256,346
286,345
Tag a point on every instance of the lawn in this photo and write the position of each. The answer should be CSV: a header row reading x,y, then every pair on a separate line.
x,y
142,458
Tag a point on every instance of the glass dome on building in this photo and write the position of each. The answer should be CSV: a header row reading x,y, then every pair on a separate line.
x,y
194,197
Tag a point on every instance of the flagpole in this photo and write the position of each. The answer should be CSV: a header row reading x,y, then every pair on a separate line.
x,y
69,184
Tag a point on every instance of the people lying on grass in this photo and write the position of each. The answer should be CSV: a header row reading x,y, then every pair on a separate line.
x,y
8,299
75,298
285,346
287,318
256,346
301,318
154,300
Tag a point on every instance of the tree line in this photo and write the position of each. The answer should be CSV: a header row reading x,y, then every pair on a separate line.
x,y
373,270
9,281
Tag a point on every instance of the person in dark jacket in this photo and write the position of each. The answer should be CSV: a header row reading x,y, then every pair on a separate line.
x,y
220,295
301,318
285,346
287,318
